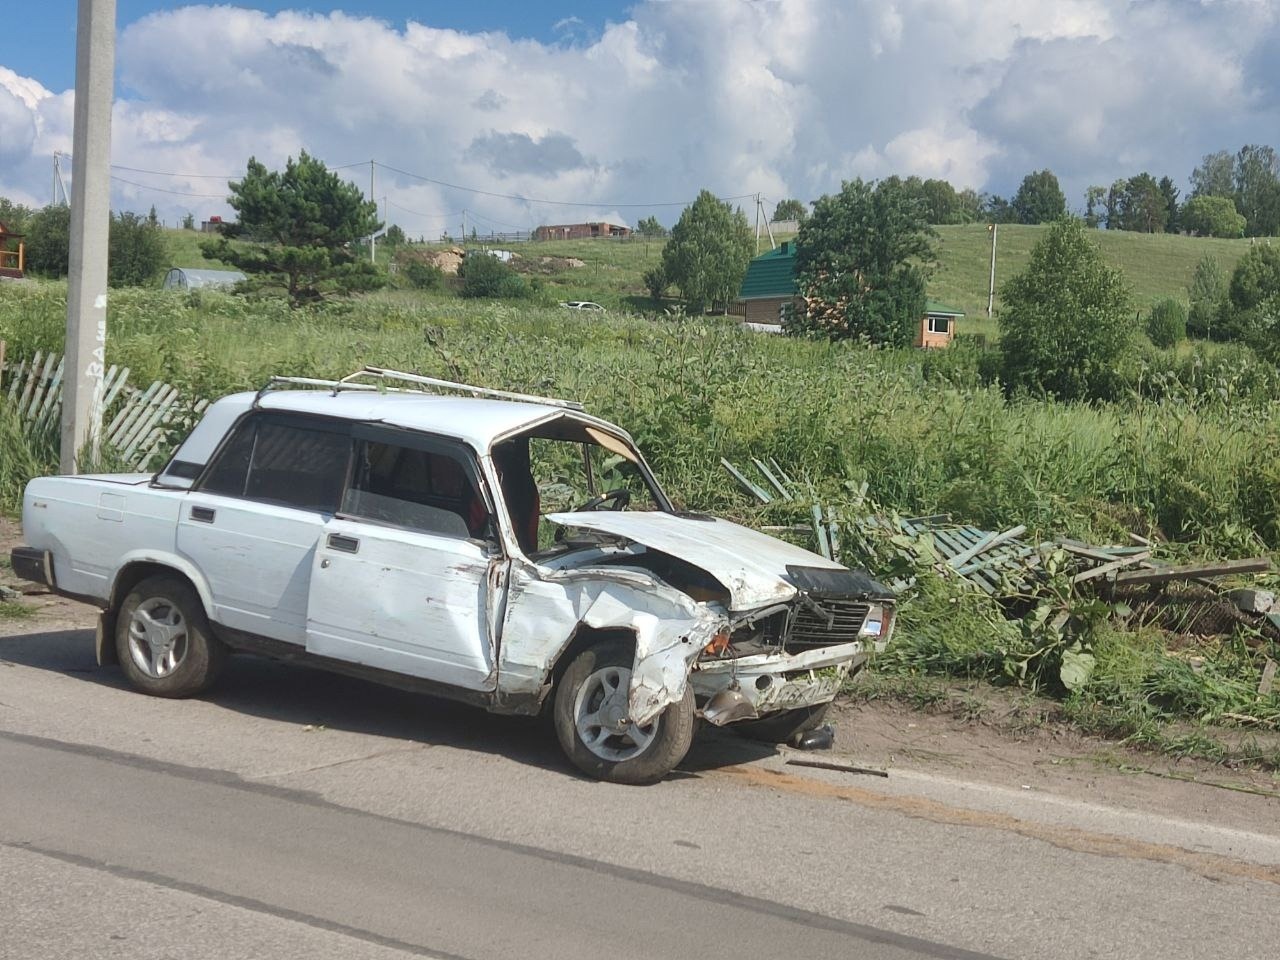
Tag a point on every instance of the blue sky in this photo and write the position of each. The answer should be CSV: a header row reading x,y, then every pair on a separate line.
x,y
42,44
522,113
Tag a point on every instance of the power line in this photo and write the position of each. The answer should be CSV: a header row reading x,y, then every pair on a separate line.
x,y
181,176
427,216
413,176
555,203
178,193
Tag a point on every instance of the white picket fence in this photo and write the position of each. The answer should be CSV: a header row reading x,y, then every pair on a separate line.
x,y
136,430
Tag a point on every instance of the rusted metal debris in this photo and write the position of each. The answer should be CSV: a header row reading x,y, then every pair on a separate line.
x,y
840,767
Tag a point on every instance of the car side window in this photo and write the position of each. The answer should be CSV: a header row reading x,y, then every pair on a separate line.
x,y
430,490
293,464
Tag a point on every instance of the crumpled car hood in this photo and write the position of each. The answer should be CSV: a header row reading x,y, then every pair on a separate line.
x,y
752,565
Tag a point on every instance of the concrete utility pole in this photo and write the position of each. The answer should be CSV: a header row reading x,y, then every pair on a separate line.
x,y
90,220
757,224
991,291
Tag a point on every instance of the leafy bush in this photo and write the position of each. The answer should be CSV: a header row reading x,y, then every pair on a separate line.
x,y
1207,293
1167,324
484,276
423,276
1066,320
656,282
49,241
136,252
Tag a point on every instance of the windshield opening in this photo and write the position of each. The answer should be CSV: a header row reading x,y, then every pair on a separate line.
x,y
565,466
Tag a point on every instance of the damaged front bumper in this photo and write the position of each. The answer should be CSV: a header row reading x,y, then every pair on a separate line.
x,y
754,686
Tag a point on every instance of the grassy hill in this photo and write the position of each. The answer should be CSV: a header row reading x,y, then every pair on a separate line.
x,y
1156,265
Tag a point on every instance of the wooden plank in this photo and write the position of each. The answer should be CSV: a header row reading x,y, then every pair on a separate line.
x,y
33,378
951,546
782,491
132,410
819,532
152,431
1191,571
986,543
1268,677
150,416
995,559
787,479
53,396
752,488
113,384
15,380
1106,568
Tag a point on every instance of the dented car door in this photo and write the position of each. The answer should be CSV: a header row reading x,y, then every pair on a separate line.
x,y
406,579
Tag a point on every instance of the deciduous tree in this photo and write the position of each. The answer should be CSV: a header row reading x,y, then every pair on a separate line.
x,y
790,209
1039,198
1215,176
1210,216
858,265
1065,320
650,227
707,255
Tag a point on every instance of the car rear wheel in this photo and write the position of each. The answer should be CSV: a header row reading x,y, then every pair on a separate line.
x,y
784,725
163,639
592,725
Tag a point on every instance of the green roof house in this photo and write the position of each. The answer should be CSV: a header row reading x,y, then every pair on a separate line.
x,y
769,288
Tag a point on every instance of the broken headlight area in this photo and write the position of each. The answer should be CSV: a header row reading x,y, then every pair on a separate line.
x,y
807,623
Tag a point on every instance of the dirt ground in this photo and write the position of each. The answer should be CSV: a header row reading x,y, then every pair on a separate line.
x,y
975,734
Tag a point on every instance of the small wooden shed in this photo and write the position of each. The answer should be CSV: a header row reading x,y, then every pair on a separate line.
x,y
938,325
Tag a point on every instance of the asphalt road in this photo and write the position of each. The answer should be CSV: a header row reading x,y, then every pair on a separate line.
x,y
297,814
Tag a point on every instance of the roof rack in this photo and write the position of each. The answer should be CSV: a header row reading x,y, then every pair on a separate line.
x,y
419,384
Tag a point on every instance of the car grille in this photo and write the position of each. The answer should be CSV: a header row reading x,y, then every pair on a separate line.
x,y
825,622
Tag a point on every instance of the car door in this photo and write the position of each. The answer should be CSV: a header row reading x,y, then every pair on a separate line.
x,y
407,577
252,523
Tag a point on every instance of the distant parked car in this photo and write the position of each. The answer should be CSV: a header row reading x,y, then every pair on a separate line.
x,y
582,305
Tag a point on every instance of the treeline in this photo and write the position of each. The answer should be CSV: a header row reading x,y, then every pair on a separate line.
x,y
1232,195
136,251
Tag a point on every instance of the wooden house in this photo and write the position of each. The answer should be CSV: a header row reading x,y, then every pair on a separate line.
x,y
12,253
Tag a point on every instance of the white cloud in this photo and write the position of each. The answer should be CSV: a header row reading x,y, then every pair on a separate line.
x,y
785,99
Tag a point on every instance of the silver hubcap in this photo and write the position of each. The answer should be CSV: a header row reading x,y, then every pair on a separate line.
x,y
600,713
157,637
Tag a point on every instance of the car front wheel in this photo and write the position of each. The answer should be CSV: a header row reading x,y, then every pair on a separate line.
x,y
591,720
163,639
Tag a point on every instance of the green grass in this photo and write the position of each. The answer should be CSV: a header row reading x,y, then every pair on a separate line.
x,y
184,250
12,610
1189,452
1156,265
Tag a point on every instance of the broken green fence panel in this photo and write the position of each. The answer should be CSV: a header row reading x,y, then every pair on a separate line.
x,y
752,488
786,478
819,531
782,491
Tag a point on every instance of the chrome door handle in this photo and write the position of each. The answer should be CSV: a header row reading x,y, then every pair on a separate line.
x,y
203,514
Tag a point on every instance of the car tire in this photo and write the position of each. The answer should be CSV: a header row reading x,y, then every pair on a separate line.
x,y
782,726
164,642
588,692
